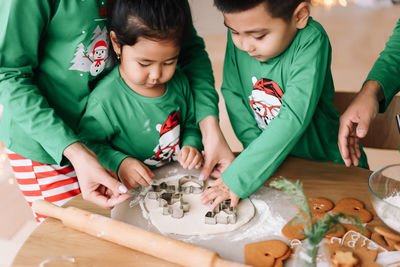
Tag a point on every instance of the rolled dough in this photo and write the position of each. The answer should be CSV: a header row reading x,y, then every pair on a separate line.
x,y
192,222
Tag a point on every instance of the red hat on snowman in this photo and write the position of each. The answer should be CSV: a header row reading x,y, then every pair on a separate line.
x,y
170,123
269,87
99,45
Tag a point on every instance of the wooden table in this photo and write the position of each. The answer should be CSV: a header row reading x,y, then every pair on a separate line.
x,y
52,238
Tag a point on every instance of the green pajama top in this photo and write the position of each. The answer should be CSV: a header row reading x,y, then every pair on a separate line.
x,y
281,107
386,69
120,123
53,52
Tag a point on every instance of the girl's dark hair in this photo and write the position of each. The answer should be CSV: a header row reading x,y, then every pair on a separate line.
x,y
277,8
151,19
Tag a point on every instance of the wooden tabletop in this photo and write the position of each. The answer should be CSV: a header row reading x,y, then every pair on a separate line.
x,y
53,239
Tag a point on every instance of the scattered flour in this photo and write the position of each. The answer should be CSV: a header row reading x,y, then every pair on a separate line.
x,y
390,214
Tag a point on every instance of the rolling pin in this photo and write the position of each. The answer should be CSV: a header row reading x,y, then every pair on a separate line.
x,y
127,235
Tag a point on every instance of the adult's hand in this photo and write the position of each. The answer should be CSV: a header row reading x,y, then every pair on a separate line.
x,y
355,121
217,154
96,183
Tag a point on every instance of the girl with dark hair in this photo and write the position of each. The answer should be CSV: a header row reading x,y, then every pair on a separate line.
x,y
143,110
54,52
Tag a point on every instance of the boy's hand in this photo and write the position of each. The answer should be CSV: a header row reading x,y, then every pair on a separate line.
x,y
133,173
218,192
96,183
355,121
189,157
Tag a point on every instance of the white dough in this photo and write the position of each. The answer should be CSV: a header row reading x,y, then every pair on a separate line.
x,y
192,222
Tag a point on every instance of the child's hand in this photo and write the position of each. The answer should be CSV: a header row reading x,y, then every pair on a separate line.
x,y
189,157
133,173
219,192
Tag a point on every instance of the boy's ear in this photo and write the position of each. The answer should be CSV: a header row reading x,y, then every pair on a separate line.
x,y
115,44
301,15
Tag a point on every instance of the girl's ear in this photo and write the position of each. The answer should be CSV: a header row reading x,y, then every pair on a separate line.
x,y
115,44
301,15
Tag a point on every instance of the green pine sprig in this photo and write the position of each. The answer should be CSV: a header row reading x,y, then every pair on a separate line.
x,y
314,231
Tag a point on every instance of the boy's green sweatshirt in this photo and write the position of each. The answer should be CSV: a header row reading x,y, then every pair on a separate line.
x,y
52,54
281,107
386,69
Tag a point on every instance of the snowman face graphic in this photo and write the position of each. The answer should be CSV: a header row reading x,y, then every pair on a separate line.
x,y
265,101
100,53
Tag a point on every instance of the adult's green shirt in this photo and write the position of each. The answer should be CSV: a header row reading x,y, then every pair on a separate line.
x,y
48,67
120,123
281,107
386,69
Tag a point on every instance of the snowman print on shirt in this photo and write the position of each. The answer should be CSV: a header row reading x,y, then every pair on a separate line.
x,y
168,146
265,101
99,54
95,57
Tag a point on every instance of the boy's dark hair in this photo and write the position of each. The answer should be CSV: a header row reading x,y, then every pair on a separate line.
x,y
277,8
151,19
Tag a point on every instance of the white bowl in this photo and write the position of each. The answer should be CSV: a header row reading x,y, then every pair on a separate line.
x,y
384,188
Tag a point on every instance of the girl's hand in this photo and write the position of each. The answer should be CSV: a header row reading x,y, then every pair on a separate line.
x,y
218,192
189,157
133,173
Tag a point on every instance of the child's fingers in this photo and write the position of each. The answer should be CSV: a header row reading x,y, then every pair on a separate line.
x,y
217,201
182,156
189,158
193,159
145,175
208,196
195,162
234,200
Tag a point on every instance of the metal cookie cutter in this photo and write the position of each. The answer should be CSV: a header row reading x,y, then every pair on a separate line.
x,y
190,189
223,214
159,189
167,200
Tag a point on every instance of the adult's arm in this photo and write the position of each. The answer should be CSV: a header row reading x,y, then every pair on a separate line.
x,y
22,24
386,70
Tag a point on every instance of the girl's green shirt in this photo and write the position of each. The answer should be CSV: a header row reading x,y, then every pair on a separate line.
x,y
50,62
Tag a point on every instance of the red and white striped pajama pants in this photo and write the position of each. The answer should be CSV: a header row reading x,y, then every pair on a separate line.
x,y
53,183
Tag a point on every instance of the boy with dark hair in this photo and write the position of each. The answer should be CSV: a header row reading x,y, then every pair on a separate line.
x,y
278,91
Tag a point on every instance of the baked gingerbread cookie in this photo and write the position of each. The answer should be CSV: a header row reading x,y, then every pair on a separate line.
x,y
337,230
342,258
358,255
386,238
351,227
295,227
269,253
354,207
